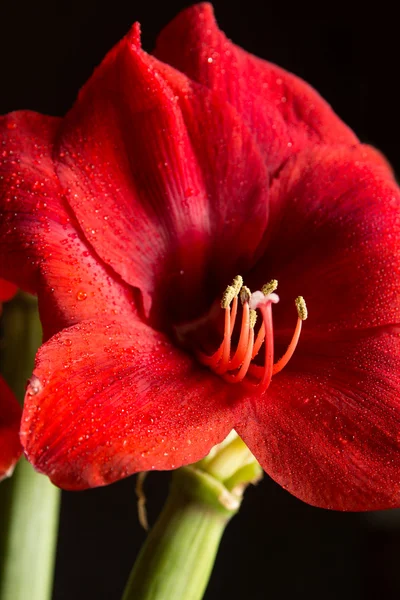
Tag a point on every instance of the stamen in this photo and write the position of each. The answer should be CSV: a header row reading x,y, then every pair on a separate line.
x,y
226,351
241,374
223,352
302,316
259,340
234,313
266,312
236,368
239,355
213,360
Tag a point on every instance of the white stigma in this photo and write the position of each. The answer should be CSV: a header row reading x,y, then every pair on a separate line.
x,y
258,298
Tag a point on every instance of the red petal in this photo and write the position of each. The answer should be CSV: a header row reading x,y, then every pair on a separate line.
x,y
111,399
283,112
10,417
7,290
334,238
41,246
328,428
162,174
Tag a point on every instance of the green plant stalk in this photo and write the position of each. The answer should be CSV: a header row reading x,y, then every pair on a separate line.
x,y
29,503
177,558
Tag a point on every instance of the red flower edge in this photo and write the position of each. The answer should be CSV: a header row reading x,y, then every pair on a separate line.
x,y
7,291
10,411
130,217
10,417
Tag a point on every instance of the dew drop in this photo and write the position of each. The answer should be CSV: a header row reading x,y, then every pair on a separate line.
x,y
34,386
81,295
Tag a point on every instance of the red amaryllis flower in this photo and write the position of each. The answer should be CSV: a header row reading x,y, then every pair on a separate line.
x,y
171,174
10,410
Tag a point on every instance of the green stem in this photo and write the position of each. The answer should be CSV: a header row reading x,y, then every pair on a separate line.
x,y
176,560
29,515
29,503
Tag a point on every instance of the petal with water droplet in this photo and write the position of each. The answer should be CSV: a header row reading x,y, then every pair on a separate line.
x,y
42,248
119,398
282,111
328,430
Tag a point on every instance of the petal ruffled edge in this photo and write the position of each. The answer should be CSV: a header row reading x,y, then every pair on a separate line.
x,y
284,113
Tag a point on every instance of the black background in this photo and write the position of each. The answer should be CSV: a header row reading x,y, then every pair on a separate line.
x,y
277,546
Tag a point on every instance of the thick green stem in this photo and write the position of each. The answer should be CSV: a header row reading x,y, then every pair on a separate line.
x,y
29,517
176,560
29,503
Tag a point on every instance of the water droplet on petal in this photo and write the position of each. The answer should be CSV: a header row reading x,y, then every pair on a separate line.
x,y
34,386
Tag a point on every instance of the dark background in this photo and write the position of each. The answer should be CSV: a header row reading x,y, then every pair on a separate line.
x,y
277,546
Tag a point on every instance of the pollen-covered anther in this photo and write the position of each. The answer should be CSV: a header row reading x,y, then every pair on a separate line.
x,y
253,318
269,287
245,294
301,308
227,296
237,284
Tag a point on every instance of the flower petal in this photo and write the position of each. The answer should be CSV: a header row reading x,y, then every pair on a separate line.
x,y
41,246
328,427
10,417
7,290
334,237
110,399
283,112
161,175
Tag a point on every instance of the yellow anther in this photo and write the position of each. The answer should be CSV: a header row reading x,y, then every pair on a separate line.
x,y
237,284
245,294
227,296
269,287
301,308
253,318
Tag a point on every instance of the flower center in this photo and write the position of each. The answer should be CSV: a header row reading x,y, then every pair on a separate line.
x,y
235,365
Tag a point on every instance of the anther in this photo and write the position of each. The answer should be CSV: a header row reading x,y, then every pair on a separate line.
x,y
245,294
237,284
301,308
227,297
269,287
252,318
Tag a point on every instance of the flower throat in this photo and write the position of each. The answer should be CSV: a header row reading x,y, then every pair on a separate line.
x,y
236,365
